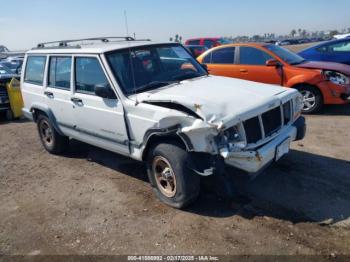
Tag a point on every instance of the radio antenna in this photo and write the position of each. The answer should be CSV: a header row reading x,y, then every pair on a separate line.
x,y
130,56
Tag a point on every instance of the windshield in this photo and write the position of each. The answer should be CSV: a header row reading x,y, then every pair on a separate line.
x,y
150,67
286,55
4,70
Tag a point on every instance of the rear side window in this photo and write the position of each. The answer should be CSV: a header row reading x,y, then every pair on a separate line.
x,y
253,56
340,47
35,70
194,42
60,72
221,56
88,74
209,43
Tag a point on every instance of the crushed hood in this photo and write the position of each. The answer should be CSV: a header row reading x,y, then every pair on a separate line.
x,y
219,99
345,69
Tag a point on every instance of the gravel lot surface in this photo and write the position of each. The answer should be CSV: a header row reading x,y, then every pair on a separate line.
x,y
91,201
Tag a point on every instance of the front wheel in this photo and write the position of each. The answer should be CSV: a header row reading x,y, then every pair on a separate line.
x,y
312,99
173,182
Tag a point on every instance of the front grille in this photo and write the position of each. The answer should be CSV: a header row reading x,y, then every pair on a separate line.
x,y
252,130
271,120
3,93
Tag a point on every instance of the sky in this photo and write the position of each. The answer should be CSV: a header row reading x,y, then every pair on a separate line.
x,y
29,22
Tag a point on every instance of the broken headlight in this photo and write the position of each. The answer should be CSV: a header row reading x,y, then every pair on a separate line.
x,y
298,104
336,77
232,139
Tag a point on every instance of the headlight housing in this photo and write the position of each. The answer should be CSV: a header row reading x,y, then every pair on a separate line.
x,y
231,139
336,77
298,105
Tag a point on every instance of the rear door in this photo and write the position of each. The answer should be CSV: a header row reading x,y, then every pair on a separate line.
x,y
58,91
252,66
100,121
221,62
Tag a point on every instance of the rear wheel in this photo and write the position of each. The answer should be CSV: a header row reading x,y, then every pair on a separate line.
x,y
52,141
173,182
312,98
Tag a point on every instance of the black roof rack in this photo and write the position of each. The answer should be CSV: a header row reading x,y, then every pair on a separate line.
x,y
64,43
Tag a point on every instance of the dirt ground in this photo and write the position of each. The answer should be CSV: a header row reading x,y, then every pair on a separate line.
x,y
90,201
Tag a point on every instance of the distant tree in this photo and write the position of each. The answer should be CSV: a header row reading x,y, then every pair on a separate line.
x,y
333,33
299,31
177,38
256,38
303,33
293,32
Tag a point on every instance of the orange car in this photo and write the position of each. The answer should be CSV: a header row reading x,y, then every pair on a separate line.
x,y
319,82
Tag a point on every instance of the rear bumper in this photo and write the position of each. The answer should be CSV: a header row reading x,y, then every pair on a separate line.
x,y
257,160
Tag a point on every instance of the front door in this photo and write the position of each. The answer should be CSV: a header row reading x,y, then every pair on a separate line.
x,y
252,66
100,121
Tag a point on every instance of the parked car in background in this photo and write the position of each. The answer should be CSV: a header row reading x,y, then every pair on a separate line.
x,y
5,77
155,103
331,51
196,50
319,82
14,63
341,36
208,42
3,49
287,42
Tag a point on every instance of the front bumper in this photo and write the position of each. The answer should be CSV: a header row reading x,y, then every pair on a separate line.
x,y
255,161
333,93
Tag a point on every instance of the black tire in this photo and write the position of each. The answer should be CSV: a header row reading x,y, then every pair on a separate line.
x,y
187,183
52,141
311,92
9,115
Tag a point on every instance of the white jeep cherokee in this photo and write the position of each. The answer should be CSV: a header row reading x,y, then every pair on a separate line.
x,y
153,102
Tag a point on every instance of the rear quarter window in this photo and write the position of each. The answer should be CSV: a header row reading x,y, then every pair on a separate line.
x,y
35,69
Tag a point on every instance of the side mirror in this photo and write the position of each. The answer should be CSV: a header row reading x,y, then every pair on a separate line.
x,y
273,62
104,91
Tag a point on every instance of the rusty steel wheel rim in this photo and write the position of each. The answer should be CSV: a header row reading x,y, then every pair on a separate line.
x,y
164,176
46,132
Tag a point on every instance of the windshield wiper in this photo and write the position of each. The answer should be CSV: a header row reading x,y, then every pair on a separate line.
x,y
187,75
298,63
155,84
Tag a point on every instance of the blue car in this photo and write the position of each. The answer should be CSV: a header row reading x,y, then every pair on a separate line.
x,y
331,51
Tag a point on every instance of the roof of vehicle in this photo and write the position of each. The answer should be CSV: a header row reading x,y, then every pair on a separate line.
x,y
93,48
196,46
246,43
199,38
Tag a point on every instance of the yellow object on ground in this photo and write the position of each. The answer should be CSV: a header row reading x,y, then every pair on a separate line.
x,y
15,97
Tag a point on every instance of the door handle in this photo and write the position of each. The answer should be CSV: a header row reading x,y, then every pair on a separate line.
x,y
49,94
76,100
243,70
